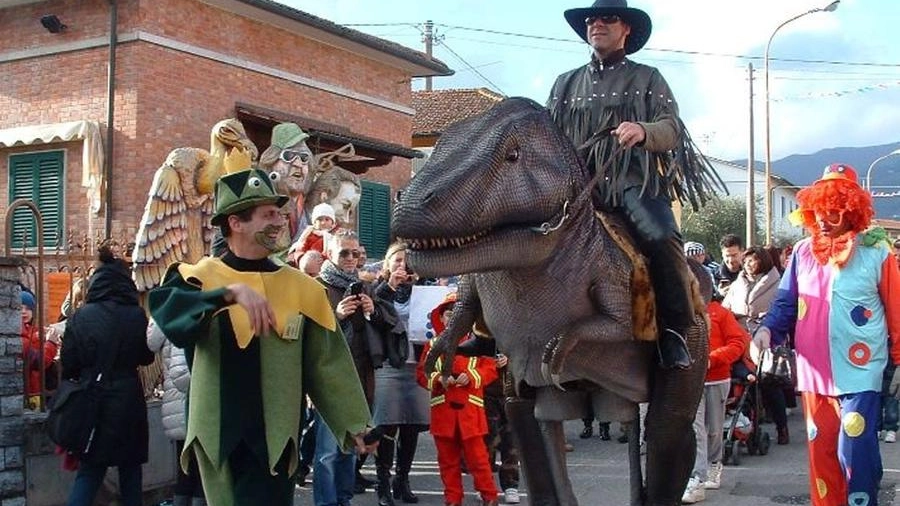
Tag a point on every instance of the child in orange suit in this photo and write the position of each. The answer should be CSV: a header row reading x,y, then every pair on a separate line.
x,y
458,422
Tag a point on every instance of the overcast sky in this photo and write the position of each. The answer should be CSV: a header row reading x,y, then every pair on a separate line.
x,y
844,92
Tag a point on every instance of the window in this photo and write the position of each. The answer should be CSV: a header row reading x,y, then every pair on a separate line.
x,y
37,177
374,224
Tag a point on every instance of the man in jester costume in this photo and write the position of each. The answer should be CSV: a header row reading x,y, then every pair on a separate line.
x,y
841,289
260,336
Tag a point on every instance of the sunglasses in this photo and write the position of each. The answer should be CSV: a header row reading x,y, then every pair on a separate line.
x,y
609,19
344,253
289,156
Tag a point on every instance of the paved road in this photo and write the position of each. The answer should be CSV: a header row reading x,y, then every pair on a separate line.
x,y
599,474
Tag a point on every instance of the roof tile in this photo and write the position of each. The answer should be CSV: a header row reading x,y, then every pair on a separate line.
x,y
436,110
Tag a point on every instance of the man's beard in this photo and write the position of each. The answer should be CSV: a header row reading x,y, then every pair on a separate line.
x,y
272,244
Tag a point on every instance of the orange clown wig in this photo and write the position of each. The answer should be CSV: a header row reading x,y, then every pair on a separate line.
x,y
838,191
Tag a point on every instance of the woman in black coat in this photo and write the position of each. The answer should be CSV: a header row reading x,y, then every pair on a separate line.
x,y
111,328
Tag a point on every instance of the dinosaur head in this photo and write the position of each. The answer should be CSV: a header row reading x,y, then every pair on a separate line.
x,y
495,194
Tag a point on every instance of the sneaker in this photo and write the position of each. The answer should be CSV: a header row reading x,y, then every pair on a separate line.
x,y
694,492
713,476
890,436
511,496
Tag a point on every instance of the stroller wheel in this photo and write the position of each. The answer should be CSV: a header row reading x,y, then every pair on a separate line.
x,y
753,443
764,442
731,453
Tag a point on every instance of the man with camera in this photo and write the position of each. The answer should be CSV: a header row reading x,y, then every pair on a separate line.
x,y
369,324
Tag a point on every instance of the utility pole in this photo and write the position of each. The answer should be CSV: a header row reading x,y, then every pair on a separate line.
x,y
428,37
751,171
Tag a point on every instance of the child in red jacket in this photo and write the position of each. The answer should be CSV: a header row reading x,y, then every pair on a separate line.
x,y
458,422
31,352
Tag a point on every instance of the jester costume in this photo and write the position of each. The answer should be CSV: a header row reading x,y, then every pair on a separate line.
x,y
839,295
245,409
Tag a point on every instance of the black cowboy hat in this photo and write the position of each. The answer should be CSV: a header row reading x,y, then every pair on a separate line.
x,y
637,19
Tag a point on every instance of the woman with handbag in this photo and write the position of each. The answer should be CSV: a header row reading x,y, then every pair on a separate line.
x,y
108,336
748,299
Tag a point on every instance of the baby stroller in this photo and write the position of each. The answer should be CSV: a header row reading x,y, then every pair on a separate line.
x,y
742,414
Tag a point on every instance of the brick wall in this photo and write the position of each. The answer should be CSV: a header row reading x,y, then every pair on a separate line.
x,y
167,99
12,427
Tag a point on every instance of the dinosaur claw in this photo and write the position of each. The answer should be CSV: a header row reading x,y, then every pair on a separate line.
x,y
554,378
545,372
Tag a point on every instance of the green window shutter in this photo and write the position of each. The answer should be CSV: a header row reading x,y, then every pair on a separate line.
x,y
375,219
37,177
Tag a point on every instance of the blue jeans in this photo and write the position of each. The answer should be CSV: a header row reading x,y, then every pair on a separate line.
x,y
334,472
90,477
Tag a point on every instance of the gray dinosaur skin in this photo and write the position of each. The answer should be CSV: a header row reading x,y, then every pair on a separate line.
x,y
560,300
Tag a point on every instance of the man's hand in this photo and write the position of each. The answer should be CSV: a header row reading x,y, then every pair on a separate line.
x,y
761,341
262,318
347,306
630,134
361,446
894,388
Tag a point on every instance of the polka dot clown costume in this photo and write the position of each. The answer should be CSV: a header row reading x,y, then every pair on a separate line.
x,y
839,295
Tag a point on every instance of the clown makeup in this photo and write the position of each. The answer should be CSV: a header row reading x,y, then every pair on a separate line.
x,y
831,222
268,237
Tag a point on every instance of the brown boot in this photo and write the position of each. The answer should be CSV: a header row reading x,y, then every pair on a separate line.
x,y
783,436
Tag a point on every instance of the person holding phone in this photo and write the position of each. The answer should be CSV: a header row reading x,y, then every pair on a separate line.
x,y
366,322
401,406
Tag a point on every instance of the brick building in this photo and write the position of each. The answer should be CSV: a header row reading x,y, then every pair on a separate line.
x,y
179,67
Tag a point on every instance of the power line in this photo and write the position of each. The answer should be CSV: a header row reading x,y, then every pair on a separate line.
x,y
443,43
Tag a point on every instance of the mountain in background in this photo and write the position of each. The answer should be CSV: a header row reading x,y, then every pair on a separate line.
x,y
802,170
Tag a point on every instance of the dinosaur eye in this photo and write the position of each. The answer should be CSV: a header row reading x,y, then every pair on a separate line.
x,y
254,182
274,176
512,155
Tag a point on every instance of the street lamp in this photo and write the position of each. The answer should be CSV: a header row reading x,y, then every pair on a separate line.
x,y
869,172
828,8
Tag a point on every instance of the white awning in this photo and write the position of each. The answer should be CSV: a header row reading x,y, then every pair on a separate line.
x,y
92,151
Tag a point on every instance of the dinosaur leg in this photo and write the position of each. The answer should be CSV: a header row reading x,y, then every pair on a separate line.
x,y
636,478
528,437
554,440
671,446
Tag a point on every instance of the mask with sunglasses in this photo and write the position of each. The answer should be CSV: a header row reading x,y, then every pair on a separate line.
x,y
292,155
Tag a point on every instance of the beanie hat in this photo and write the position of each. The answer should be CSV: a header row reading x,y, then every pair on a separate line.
x,y
322,210
692,248
28,299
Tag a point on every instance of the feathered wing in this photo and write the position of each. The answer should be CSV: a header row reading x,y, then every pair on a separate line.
x,y
161,239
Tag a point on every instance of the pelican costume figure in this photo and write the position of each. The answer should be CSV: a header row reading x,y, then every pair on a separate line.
x,y
246,389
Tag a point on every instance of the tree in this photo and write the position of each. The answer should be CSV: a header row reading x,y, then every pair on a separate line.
x,y
720,216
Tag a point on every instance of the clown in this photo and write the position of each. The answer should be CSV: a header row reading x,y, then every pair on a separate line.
x,y
840,290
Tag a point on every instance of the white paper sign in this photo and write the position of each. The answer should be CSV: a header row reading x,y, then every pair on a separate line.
x,y
422,301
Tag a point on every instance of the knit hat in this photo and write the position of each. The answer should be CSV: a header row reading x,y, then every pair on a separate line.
x,y
692,248
323,210
286,135
243,190
28,299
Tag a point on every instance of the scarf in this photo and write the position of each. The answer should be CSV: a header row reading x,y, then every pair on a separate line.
x,y
336,277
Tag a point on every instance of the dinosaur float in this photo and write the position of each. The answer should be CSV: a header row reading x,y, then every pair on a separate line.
x,y
504,200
